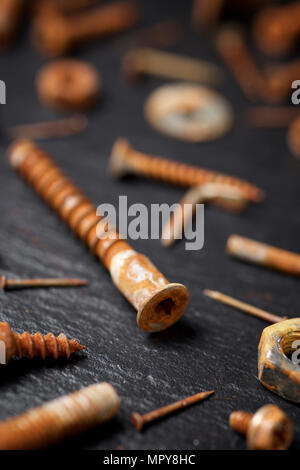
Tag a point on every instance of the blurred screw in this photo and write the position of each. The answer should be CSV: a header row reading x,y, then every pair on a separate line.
x,y
294,137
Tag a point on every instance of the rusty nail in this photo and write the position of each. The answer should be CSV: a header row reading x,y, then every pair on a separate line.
x,y
61,418
243,306
264,255
21,283
268,429
139,421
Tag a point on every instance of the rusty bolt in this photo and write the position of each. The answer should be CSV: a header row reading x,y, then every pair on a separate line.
x,y
263,254
268,429
293,137
159,303
61,418
36,345
276,28
57,34
125,160
10,16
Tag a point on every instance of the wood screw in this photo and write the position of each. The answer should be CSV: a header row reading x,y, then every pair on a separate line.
x,y
37,345
139,421
7,284
57,34
268,429
125,160
243,306
262,254
61,418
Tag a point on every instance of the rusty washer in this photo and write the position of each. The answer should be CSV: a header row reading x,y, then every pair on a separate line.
x,y
190,113
68,85
276,370
159,303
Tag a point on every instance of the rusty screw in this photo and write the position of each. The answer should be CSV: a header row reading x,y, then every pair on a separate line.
x,y
143,61
61,418
125,160
243,306
263,254
268,429
37,345
7,284
276,29
57,34
139,421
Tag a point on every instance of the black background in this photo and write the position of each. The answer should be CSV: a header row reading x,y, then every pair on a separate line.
x,y
213,346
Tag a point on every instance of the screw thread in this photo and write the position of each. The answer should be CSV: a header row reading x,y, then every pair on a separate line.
x,y
37,345
240,421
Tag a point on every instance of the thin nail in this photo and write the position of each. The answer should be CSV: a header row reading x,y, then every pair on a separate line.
x,y
244,307
20,283
139,421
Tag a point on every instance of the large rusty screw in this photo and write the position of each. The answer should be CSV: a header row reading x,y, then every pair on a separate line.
x,y
55,35
61,418
37,345
268,429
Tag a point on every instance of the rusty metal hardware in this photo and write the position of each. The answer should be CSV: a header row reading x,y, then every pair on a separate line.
x,y
69,84
159,303
187,112
224,196
262,254
139,421
45,130
37,345
10,16
125,160
57,34
271,116
232,47
293,137
243,306
268,429
142,61
8,284
64,417
276,369
276,28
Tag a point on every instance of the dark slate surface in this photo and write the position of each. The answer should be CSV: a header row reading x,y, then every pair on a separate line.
x,y
212,347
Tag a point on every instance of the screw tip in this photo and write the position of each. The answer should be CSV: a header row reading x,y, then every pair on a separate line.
x,y
137,421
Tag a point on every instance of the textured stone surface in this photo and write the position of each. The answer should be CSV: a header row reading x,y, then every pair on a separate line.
x,y
213,346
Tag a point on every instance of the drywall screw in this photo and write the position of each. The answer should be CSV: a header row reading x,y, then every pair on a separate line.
x,y
143,61
44,130
220,195
139,421
293,137
268,429
263,254
243,306
56,35
125,160
7,284
158,302
276,28
271,116
232,46
61,418
10,16
37,345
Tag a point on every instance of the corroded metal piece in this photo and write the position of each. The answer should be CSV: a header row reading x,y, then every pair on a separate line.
x,y
69,84
276,370
262,254
56,34
61,418
37,345
125,160
159,303
268,429
191,113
